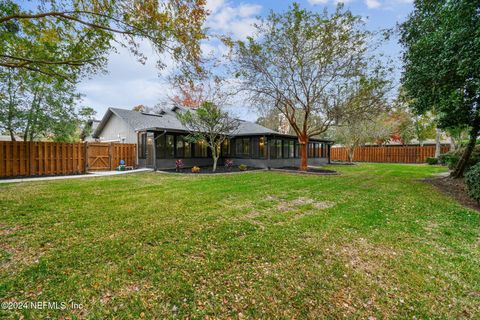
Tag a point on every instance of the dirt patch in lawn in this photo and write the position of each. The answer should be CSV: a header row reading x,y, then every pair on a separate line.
x,y
456,189
284,206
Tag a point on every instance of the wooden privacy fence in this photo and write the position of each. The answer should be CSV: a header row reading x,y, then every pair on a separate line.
x,y
107,156
19,158
390,154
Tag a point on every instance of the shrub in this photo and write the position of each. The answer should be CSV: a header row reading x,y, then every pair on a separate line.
x,y
228,164
195,169
444,159
472,181
431,160
242,167
451,158
179,164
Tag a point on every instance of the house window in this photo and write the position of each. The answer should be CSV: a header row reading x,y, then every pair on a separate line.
x,y
201,149
169,146
297,149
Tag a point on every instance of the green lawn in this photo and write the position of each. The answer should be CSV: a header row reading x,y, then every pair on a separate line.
x,y
373,241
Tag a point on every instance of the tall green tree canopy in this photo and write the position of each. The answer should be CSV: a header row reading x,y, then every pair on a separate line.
x,y
48,46
442,64
62,38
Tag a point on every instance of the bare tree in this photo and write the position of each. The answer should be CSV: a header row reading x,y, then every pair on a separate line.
x,y
305,64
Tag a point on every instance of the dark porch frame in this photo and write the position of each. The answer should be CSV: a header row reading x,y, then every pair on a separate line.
x,y
273,144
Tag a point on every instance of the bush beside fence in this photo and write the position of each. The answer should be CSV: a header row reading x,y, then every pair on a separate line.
x,y
388,154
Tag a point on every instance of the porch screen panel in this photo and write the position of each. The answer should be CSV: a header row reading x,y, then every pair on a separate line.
x,y
291,149
169,146
226,148
179,153
262,147
273,149
255,147
142,146
286,154
201,149
278,148
187,149
160,145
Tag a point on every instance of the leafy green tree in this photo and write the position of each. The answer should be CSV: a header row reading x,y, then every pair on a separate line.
x,y
64,38
36,106
424,127
11,117
209,124
457,136
442,65
304,64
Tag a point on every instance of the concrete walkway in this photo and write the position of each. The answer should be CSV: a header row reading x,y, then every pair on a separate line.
x,y
77,176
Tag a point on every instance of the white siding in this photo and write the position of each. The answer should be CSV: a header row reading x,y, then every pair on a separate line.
x,y
117,129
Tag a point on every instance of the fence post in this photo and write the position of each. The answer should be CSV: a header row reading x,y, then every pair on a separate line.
x,y
85,154
110,155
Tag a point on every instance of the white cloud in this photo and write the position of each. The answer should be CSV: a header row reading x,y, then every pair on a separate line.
x,y
130,83
236,21
324,2
373,4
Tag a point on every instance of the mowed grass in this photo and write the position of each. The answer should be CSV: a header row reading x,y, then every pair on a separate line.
x,y
374,241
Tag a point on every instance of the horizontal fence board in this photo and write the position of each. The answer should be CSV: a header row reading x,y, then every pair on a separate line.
x,y
21,159
387,154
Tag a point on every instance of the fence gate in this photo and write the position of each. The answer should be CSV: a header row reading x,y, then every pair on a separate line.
x,y
99,156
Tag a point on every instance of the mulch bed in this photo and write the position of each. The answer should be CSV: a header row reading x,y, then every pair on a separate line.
x,y
310,170
454,188
208,170
341,163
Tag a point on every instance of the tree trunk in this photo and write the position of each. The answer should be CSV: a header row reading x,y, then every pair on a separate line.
x,y
303,155
438,146
12,135
215,159
351,153
462,163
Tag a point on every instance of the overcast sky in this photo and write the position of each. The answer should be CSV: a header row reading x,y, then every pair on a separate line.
x,y
129,83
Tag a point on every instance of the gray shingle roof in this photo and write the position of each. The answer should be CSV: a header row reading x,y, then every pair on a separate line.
x,y
167,120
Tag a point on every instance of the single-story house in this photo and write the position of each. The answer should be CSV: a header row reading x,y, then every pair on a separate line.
x,y
161,140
